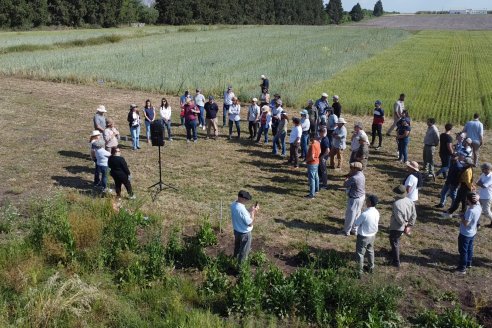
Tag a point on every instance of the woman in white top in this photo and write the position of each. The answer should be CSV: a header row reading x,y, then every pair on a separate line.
x,y
234,118
134,123
165,112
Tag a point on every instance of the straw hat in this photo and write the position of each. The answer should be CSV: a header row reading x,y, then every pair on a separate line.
x,y
356,165
342,120
413,165
101,109
95,133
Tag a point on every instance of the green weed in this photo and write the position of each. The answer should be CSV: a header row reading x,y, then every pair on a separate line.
x,y
450,318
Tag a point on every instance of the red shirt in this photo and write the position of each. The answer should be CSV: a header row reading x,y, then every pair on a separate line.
x,y
189,113
313,153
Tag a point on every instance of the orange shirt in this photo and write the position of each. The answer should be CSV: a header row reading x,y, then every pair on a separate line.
x,y
313,153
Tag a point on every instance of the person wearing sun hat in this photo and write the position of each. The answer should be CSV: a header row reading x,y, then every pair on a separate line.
x,y
322,106
305,125
265,120
253,118
99,119
96,143
281,133
228,96
355,184
265,83
413,181
339,137
337,107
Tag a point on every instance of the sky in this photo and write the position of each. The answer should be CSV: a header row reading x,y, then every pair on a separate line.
x,y
411,6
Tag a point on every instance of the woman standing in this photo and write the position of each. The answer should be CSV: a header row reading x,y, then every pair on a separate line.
x,y
265,123
339,143
120,173
102,164
149,113
281,133
190,113
134,122
403,138
165,112
234,118
264,98
111,135
95,143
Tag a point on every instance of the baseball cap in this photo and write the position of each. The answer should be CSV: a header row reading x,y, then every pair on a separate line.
x,y
378,102
210,97
244,194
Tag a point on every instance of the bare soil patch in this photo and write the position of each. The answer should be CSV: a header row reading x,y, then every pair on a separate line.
x,y
44,133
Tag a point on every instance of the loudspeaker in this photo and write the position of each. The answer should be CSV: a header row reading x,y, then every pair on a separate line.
x,y
157,133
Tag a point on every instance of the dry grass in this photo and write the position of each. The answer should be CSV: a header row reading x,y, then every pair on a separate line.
x,y
45,147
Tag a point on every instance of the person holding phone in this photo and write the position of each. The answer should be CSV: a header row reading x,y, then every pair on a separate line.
x,y
242,223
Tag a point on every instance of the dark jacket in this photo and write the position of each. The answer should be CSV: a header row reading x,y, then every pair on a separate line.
x,y
119,168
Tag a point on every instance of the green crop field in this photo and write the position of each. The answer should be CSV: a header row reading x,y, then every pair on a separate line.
x,y
447,75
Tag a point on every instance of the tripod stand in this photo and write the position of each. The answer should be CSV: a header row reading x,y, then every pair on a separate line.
x,y
159,186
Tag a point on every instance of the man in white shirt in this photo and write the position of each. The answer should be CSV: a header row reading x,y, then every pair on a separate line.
x,y
200,103
242,223
398,109
412,181
485,191
228,95
294,141
253,118
367,227
474,131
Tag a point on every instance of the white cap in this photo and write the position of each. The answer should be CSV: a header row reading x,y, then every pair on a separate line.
x,y
324,94
101,109
263,76
254,99
95,133
336,97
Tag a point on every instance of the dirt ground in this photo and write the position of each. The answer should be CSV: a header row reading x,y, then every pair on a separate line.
x,y
430,22
45,129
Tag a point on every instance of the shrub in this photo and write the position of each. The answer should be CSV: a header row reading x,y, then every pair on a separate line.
x,y
215,281
450,318
154,267
258,258
174,247
9,214
206,234
245,296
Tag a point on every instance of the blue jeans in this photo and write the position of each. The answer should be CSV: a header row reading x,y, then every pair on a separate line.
x,y
448,190
167,126
201,118
147,129
97,173
280,137
313,177
182,119
304,144
445,163
135,132
238,128
465,248
263,129
104,172
225,110
191,129
403,149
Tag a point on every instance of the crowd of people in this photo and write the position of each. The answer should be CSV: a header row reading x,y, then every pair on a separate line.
x,y
316,136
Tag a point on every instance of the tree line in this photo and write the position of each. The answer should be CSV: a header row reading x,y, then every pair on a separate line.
x,y
25,14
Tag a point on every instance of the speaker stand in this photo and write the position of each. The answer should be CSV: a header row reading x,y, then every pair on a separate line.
x,y
157,187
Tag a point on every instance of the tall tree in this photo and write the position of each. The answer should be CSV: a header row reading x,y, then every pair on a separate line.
x,y
356,14
335,11
378,9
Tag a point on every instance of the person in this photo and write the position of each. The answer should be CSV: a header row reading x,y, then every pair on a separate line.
x,y
403,139
276,111
468,231
312,161
485,190
465,186
313,117
264,98
134,123
281,133
354,141
323,157
460,140
200,104
265,83
253,118
99,119
305,133
398,109
331,123
95,143
339,143
322,105
362,154
413,181
190,113
111,134
149,114
403,217
450,187
165,113
102,156
366,226
234,117
228,96
294,141
273,102
431,141
466,149
474,131
337,107
211,110
182,102
377,124
120,173
242,223
445,150
265,120
355,183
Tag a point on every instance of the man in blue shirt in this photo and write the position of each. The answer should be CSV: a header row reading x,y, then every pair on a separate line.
x,y
242,223
474,131
468,230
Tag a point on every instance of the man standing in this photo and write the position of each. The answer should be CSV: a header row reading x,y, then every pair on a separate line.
x,y
356,191
228,95
339,138
294,141
322,106
356,135
398,109
276,115
99,119
377,124
200,103
337,107
323,157
313,117
312,161
211,110
253,118
431,141
305,124
366,226
331,123
468,230
242,223
474,131
445,150
485,191
265,83
362,154
403,216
